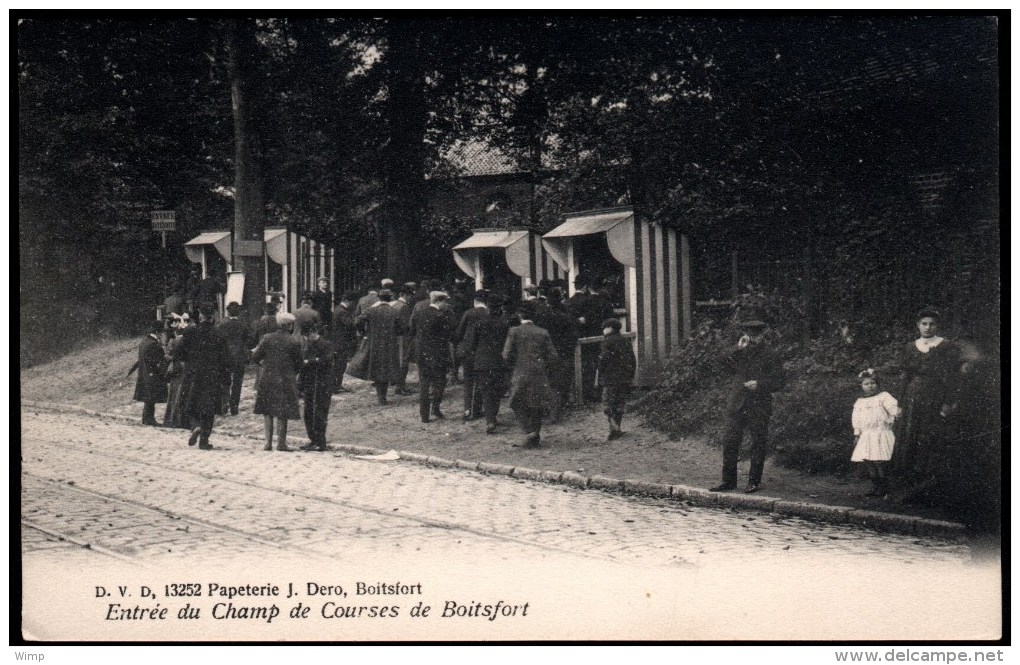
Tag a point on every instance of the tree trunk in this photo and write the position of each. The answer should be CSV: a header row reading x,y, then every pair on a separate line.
x,y
249,198
405,164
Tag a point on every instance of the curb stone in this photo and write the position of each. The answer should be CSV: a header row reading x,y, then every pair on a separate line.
x,y
889,522
574,479
528,474
605,483
647,488
496,469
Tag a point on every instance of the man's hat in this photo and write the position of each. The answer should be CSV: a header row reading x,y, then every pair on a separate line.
x,y
531,290
385,295
283,318
612,323
494,300
436,296
387,282
233,306
527,310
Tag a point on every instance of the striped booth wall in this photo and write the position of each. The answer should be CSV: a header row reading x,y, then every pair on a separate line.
x,y
656,271
303,260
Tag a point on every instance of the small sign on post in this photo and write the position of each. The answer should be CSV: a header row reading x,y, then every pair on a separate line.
x,y
163,221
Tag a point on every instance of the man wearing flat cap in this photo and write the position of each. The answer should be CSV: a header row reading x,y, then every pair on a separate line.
x,y
757,373
433,330
276,393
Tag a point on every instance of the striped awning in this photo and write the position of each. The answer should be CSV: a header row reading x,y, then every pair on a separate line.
x,y
221,240
515,243
616,223
276,245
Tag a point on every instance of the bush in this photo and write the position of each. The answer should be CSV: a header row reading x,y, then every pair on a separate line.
x,y
810,424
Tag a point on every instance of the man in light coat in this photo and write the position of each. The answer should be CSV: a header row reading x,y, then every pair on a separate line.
x,y
528,352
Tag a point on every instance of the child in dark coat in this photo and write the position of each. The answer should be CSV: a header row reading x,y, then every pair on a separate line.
x,y
615,373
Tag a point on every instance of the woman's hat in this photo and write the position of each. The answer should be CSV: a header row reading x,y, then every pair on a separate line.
x,y
283,318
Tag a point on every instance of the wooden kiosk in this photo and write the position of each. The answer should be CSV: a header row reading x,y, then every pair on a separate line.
x,y
655,267
505,260
293,263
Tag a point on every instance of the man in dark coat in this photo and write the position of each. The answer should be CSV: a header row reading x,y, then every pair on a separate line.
x,y
563,330
528,351
757,373
433,331
276,394
150,385
615,373
383,327
402,306
206,372
591,310
316,386
322,302
239,340
305,316
345,338
488,366
464,342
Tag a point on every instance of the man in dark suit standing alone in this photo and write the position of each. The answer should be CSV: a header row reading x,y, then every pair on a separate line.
x,y
433,331
757,373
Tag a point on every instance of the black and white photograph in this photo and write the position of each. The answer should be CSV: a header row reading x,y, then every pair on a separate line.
x,y
468,327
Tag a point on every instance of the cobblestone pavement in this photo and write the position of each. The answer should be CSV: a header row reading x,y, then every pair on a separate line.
x,y
109,503
142,493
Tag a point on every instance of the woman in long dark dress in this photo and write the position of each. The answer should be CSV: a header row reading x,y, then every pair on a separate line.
x,y
928,391
175,415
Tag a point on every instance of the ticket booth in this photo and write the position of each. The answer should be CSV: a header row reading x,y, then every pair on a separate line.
x,y
650,264
505,261
213,251
294,263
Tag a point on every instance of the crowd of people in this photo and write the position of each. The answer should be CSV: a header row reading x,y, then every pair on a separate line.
x,y
524,350
497,346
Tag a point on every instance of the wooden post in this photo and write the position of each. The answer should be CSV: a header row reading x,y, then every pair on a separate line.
x,y
685,283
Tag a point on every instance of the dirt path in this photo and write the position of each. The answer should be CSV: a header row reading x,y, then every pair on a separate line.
x,y
96,378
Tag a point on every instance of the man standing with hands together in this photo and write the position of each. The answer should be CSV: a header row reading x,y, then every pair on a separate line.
x,y
757,373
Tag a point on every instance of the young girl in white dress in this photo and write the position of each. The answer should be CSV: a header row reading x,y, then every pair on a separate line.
x,y
872,420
